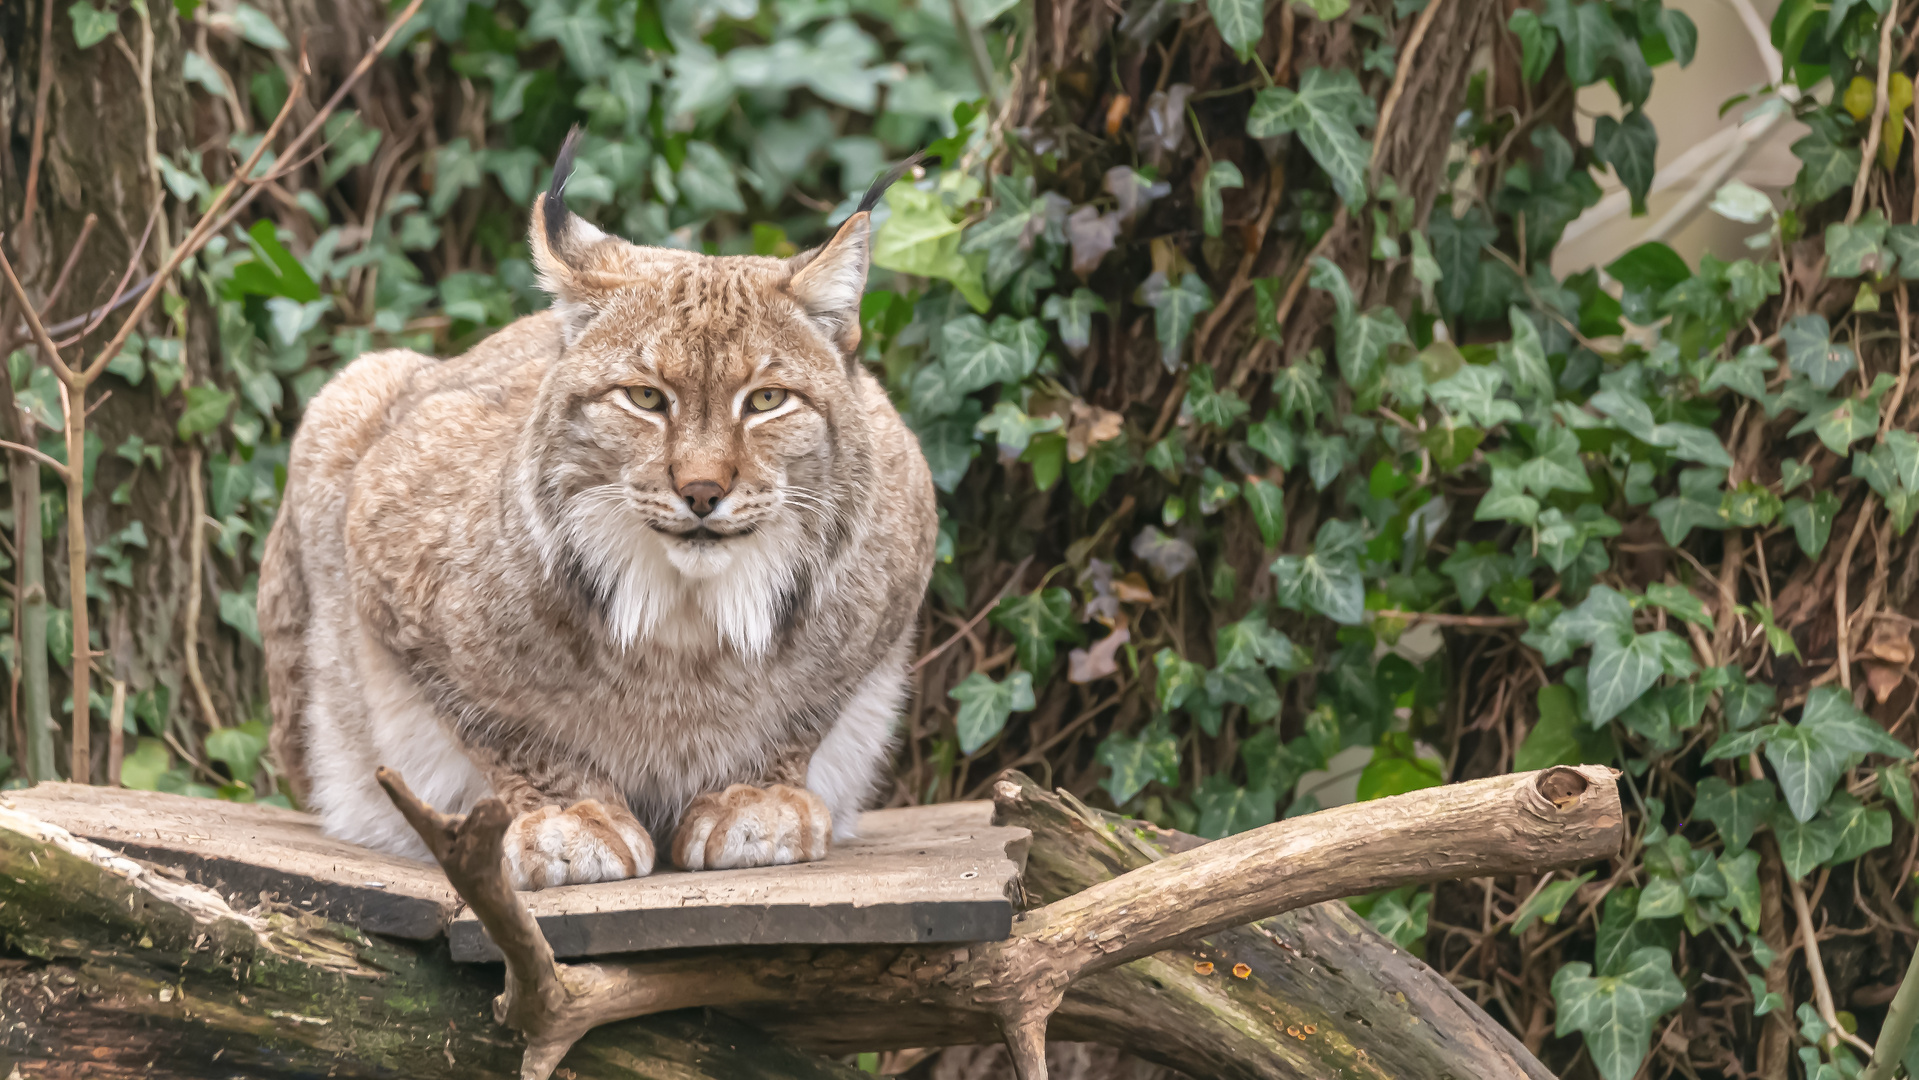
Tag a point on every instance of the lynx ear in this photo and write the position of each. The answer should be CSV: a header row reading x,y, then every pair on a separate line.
x,y
829,281
561,242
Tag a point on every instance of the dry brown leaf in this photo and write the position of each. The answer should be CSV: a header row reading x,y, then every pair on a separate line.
x,y
1097,660
1090,425
1092,235
1132,589
1883,678
1116,113
1892,642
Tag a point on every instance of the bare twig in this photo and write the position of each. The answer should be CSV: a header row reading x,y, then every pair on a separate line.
x,y
1896,1032
1821,989
1404,71
1871,149
1839,607
1018,572
37,151
53,463
196,585
1488,622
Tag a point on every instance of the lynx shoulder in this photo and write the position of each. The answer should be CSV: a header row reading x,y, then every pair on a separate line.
x,y
646,564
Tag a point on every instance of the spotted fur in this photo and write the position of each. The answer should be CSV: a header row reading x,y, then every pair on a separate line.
x,y
484,573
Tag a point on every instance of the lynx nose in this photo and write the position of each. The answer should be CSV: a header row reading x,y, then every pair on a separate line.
x,y
702,495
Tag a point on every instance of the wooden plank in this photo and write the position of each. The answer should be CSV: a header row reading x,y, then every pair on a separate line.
x,y
919,874
246,849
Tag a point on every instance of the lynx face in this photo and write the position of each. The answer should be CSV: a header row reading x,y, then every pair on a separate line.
x,y
684,446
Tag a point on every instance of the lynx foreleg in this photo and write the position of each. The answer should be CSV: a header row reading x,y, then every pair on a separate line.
x,y
770,824
568,828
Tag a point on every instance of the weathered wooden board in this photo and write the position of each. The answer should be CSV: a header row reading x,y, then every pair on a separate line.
x,y
923,874
246,849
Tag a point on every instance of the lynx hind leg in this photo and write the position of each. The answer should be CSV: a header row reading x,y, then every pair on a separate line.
x,y
752,826
581,844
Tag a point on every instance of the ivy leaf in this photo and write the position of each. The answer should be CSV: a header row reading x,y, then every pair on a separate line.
x,y
1403,922
1299,389
91,26
1326,457
1810,351
1014,428
1475,568
1830,711
1215,408
1272,438
949,446
580,31
1226,808
1036,621
1624,666
1857,249
1896,785
1803,845
1457,243
1176,680
1240,23
1267,501
1811,521
1682,37
1616,1013
1091,475
1327,581
1555,464
1735,811
976,355
1741,873
1630,146
1326,112
1546,904
206,409
1845,423
1590,36
1745,373
1223,174
1859,829
1524,358
1745,703
1472,394
1696,504
1537,43
1175,307
1074,315
1828,167
1679,601
1132,762
986,704
919,238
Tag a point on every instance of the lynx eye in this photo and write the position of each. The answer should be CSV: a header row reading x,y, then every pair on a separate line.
x,y
645,397
766,399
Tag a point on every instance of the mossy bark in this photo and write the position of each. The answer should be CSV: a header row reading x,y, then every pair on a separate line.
x,y
119,971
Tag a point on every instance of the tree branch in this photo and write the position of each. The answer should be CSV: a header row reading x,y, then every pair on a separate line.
x,y
1521,823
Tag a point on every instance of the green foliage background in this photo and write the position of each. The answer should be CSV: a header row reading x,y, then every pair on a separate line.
x,y
1256,443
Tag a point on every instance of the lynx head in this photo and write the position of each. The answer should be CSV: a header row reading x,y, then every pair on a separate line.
x,y
697,448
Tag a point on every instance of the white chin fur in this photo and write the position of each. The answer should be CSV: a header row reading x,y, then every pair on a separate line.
x,y
676,594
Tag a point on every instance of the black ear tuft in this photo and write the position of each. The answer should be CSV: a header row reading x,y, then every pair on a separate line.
x,y
872,197
555,211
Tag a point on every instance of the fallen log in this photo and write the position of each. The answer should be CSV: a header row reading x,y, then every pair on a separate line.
x,y
1522,823
120,966
121,970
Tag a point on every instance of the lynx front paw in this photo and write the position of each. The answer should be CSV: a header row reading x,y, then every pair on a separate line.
x,y
580,844
752,826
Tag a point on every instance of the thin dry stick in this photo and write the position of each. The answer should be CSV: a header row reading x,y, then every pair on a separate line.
x,y
116,732
1018,572
1407,53
1821,989
196,584
37,151
1898,395
1437,618
1839,593
1871,149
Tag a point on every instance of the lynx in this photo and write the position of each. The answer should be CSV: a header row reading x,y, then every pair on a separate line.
x,y
645,564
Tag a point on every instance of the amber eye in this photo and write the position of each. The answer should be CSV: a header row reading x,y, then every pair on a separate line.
x,y
646,398
766,399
